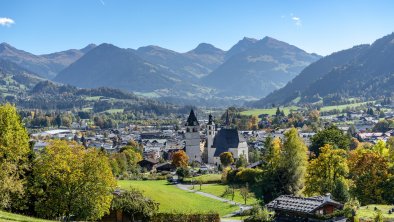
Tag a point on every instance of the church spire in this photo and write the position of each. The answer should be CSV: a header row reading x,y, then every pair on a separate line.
x,y
210,119
227,120
192,119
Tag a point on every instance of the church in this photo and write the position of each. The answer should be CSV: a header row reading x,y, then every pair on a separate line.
x,y
225,139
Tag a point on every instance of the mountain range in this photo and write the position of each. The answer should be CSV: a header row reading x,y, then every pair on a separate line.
x,y
47,66
362,71
250,69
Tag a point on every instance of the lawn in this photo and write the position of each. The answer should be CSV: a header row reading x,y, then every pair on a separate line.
x,y
4,216
218,190
368,212
206,178
271,111
173,199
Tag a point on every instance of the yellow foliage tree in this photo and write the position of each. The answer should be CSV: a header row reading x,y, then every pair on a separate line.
x,y
14,150
72,181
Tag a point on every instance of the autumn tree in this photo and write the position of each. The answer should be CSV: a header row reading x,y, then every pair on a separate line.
x,y
226,158
14,150
331,135
273,149
180,159
253,123
327,174
369,172
72,181
293,163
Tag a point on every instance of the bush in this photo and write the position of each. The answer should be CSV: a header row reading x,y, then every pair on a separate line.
x,y
260,215
179,217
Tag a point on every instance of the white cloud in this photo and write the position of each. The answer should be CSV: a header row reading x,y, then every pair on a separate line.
x,y
296,20
6,22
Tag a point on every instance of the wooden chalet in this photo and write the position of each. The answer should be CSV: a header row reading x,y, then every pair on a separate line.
x,y
289,208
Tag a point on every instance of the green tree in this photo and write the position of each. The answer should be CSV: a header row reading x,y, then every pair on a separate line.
x,y
226,158
331,135
134,204
72,181
326,172
245,194
14,150
241,161
293,163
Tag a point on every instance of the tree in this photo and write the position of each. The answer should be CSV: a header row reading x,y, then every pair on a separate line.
x,y
229,191
273,149
134,204
226,158
331,135
245,194
369,172
180,159
71,181
327,173
14,150
293,163
241,162
253,123
314,116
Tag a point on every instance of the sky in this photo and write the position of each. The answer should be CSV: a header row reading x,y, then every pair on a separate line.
x,y
323,27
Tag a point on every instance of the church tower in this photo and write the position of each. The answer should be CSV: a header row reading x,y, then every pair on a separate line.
x,y
210,137
192,138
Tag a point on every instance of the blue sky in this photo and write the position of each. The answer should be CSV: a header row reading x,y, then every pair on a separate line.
x,y
314,25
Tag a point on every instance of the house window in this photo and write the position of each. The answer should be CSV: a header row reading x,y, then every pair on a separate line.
x,y
210,133
194,130
209,127
188,130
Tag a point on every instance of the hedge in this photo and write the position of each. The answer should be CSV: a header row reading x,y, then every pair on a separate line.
x,y
179,217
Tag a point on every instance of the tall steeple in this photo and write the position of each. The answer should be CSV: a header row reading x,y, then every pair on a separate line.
x,y
227,120
210,119
192,119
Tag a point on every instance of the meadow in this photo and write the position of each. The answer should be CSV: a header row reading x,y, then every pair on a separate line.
x,y
173,199
218,190
6,217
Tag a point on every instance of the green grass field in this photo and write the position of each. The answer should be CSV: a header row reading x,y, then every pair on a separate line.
x,y
271,111
368,212
4,216
93,98
173,199
114,111
218,190
206,178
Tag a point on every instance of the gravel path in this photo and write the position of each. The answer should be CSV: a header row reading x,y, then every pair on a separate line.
x,y
225,218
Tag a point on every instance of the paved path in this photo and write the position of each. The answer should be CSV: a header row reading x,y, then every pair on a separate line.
x,y
241,206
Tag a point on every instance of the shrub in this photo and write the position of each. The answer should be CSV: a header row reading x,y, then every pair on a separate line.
x,y
179,217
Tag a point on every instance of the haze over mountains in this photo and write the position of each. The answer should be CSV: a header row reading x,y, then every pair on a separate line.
x,y
210,76
47,66
250,69
363,71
